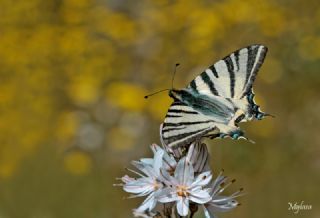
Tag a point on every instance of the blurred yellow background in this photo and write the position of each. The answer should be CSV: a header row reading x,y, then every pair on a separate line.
x,y
73,74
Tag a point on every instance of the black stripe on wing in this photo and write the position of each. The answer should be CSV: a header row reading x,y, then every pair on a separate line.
x,y
181,111
252,52
236,55
214,71
186,139
186,123
252,58
168,129
206,79
177,140
178,103
173,116
261,58
230,67
181,136
193,86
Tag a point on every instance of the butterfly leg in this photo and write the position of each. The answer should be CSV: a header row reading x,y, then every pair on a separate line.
x,y
236,134
220,135
217,135
212,136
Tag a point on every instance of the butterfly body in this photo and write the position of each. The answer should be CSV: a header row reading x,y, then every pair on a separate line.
x,y
211,106
215,101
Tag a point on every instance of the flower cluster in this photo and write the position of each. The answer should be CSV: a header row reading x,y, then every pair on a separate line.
x,y
179,184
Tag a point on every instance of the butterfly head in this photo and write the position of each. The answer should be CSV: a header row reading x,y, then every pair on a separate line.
x,y
237,134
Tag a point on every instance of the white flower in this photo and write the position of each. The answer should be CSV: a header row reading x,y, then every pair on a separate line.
x,y
148,184
144,214
168,161
162,179
218,202
183,187
196,152
198,155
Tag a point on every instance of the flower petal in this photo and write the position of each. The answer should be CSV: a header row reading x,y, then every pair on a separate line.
x,y
223,199
183,206
203,179
227,206
157,162
141,185
167,179
200,196
145,168
147,161
148,204
169,163
127,179
198,156
145,214
155,148
184,172
166,195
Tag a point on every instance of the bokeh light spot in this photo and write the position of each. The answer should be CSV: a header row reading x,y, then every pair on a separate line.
x,y
77,163
126,96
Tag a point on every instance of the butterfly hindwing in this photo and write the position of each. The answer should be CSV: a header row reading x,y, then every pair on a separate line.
x,y
183,124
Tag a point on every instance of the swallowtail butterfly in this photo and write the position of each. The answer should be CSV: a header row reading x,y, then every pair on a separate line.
x,y
215,102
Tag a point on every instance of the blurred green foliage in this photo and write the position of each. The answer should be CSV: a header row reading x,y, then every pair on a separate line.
x,y
73,74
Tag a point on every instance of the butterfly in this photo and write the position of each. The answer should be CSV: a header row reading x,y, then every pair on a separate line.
x,y
216,101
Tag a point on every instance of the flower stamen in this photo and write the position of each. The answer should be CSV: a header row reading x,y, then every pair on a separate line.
x,y
182,191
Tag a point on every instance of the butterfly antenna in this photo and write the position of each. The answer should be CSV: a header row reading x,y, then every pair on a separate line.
x,y
174,73
147,96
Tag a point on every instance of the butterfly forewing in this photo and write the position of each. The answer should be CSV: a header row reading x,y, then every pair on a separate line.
x,y
231,77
